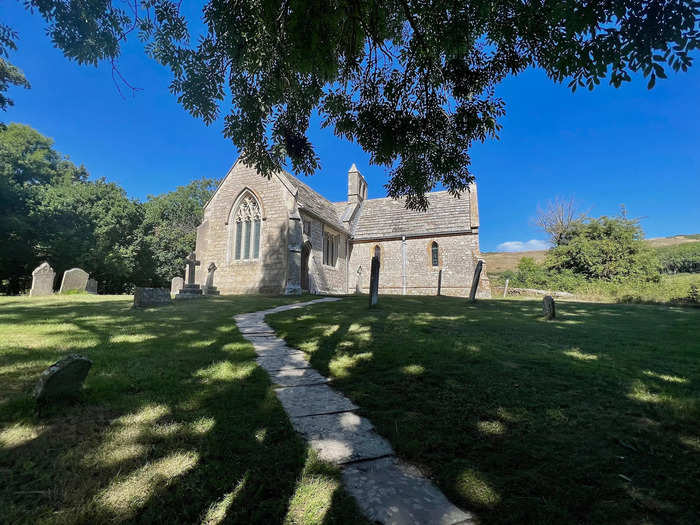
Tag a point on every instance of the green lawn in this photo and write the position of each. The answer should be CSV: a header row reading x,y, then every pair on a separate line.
x,y
176,423
592,418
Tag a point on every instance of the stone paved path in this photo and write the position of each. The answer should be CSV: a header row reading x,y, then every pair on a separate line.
x,y
386,489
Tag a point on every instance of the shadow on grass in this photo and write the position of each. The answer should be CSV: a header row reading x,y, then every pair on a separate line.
x,y
176,422
593,417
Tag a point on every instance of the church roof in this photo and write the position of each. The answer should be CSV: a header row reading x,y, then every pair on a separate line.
x,y
315,203
387,217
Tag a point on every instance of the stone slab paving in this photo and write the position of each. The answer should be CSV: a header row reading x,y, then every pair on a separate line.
x,y
313,400
342,438
387,490
297,377
287,361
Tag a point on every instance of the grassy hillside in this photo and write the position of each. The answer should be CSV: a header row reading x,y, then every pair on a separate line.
x,y
499,262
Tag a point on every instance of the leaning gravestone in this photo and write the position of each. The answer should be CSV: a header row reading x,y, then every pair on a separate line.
x,y
548,308
176,285
91,286
74,279
374,282
43,277
209,287
63,378
475,280
151,297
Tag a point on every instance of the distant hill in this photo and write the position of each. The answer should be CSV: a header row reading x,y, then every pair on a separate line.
x,y
499,262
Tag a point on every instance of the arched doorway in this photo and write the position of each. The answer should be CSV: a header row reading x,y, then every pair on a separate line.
x,y
305,253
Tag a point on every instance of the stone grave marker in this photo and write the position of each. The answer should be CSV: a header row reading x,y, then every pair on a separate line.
x,y
475,280
151,297
62,379
374,282
176,285
74,279
91,286
505,290
548,308
43,277
190,289
209,287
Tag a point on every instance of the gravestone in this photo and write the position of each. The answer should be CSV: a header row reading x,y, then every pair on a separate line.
x,y
176,285
74,279
190,289
374,282
209,287
151,297
548,308
439,289
43,277
91,286
358,283
475,280
505,290
63,378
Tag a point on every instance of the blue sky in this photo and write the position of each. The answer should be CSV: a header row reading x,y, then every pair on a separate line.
x,y
608,147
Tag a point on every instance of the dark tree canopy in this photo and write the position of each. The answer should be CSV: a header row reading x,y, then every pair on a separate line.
x,y
412,82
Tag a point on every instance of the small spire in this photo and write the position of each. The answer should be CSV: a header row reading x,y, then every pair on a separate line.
x,y
353,168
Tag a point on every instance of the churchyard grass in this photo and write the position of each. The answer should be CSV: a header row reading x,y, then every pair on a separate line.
x,y
176,423
591,418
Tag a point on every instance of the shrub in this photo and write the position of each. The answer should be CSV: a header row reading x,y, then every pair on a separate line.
x,y
607,248
681,258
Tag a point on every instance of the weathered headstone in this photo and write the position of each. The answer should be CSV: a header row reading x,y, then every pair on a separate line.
x,y
151,297
209,287
91,286
63,378
475,280
190,289
74,279
505,289
439,289
358,283
176,285
43,277
374,282
548,308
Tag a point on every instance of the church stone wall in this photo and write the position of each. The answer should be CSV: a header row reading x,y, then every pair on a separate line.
x,y
266,275
458,255
325,279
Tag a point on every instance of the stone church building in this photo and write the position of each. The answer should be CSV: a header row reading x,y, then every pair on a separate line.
x,y
278,236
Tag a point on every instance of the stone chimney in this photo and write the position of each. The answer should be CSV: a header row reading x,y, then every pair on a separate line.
x,y
357,186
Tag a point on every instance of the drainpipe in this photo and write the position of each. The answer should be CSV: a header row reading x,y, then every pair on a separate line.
x,y
403,263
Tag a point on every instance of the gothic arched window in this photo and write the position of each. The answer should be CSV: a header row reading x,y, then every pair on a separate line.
x,y
434,254
247,226
378,252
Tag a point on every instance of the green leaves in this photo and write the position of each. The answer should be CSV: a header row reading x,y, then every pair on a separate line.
x,y
411,82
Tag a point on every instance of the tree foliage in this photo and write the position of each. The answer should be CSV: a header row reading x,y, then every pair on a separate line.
x,y
10,75
557,219
52,211
680,258
92,225
607,248
411,82
169,227
28,163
